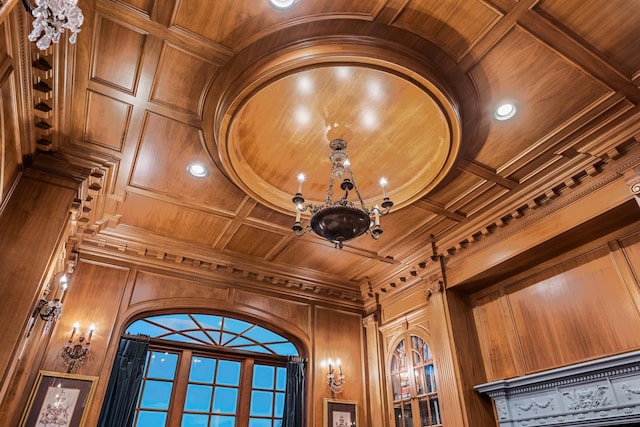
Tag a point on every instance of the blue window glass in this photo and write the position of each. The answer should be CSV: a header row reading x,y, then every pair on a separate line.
x,y
149,419
162,365
259,422
213,391
156,395
263,376
261,403
225,400
198,398
202,369
223,421
195,420
281,378
228,373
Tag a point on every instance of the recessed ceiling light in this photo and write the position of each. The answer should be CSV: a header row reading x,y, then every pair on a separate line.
x,y
505,111
282,4
197,170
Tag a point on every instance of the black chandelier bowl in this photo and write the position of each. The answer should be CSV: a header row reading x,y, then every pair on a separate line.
x,y
340,224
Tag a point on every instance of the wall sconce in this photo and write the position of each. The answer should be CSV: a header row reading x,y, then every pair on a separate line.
x,y
75,355
335,381
49,311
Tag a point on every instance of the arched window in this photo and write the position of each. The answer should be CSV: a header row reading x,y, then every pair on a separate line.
x,y
201,371
413,384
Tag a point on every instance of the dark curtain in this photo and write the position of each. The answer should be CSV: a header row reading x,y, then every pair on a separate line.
x,y
294,395
119,404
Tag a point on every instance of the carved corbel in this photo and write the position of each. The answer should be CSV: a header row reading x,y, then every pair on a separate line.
x,y
632,178
435,288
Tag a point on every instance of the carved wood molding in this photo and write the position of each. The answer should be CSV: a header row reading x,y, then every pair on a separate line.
x,y
218,269
604,170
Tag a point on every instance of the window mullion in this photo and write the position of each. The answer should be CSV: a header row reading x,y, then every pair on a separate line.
x,y
244,398
180,389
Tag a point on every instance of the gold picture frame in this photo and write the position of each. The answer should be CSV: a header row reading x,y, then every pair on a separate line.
x,y
60,399
340,413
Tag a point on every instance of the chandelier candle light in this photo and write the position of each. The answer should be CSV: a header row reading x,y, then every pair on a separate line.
x,y
335,381
342,220
75,355
51,18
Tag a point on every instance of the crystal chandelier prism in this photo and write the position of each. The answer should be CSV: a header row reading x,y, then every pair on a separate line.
x,y
51,19
341,220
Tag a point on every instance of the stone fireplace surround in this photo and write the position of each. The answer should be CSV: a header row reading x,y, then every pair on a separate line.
x,y
603,392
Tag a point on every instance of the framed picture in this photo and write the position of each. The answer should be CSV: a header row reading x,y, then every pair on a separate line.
x,y
59,400
340,413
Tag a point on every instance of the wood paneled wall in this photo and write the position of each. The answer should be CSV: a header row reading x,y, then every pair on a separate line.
x,y
583,306
111,295
29,235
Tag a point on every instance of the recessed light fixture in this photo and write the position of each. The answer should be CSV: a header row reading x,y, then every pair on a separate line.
x,y
281,4
505,111
197,170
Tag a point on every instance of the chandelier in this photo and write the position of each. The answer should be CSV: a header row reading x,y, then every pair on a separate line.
x,y
51,18
341,220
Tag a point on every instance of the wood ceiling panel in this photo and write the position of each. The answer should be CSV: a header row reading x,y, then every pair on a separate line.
x,y
181,80
107,120
118,54
311,253
483,197
171,220
616,37
266,215
238,22
168,147
143,6
549,92
397,226
461,187
447,23
254,241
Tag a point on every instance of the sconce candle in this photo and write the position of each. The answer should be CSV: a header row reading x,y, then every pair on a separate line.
x,y
335,381
300,181
91,329
73,332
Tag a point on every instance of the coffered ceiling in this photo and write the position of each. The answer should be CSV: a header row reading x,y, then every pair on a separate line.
x,y
253,94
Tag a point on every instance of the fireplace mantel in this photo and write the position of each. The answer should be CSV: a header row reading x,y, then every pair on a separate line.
x,y
595,393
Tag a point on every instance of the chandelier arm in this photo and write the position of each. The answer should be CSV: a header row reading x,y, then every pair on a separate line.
x,y
27,5
355,186
327,201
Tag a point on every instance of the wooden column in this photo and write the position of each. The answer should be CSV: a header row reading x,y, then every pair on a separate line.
x,y
377,412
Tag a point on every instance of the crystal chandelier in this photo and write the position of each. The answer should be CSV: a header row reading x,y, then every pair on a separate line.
x,y
51,18
342,220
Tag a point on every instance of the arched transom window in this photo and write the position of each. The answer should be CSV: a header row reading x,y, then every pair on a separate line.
x,y
201,367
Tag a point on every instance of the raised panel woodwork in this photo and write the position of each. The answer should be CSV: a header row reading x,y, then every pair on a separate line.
x,y
168,219
181,79
578,310
616,38
151,287
338,335
254,241
414,299
508,142
31,222
251,20
157,159
301,252
631,249
298,314
107,121
118,54
144,6
457,190
10,152
93,297
446,23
